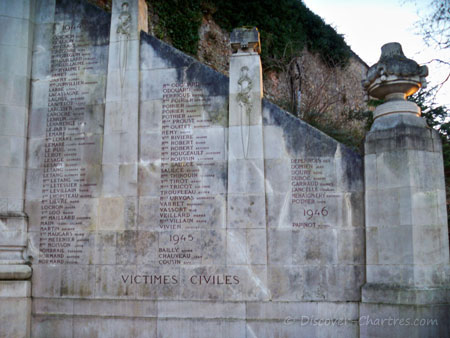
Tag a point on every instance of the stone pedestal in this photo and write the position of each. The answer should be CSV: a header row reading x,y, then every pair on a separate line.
x,y
16,22
407,245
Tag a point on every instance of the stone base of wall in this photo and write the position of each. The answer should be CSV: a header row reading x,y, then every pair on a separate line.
x,y
144,318
413,321
400,311
15,309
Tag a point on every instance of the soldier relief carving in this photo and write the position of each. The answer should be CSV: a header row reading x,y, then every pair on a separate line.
x,y
245,85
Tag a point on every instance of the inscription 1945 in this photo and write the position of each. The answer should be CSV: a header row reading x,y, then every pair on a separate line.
x,y
186,154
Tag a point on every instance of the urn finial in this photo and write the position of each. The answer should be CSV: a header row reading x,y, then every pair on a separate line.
x,y
394,76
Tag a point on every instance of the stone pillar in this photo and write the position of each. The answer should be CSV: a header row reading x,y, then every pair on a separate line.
x,y
120,144
246,223
407,249
120,149
16,25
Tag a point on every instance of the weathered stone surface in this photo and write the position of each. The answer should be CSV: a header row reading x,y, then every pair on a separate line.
x,y
245,40
16,42
15,308
393,65
407,258
165,199
404,180
178,213
66,132
404,321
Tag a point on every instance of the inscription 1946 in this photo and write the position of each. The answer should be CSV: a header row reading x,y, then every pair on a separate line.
x,y
311,190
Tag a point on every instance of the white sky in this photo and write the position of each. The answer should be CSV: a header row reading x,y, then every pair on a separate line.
x,y
368,24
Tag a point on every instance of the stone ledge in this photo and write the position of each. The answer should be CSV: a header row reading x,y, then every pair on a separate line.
x,y
13,214
402,137
396,107
396,294
15,272
395,121
208,310
15,289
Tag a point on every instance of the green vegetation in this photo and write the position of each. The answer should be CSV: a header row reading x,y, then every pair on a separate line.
x,y
180,20
434,115
286,27
103,4
338,129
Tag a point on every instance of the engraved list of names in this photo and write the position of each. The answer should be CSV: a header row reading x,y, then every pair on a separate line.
x,y
65,186
187,155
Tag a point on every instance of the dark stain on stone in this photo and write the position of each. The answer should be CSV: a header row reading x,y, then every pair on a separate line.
x,y
216,83
171,55
95,22
188,69
304,140
352,170
300,137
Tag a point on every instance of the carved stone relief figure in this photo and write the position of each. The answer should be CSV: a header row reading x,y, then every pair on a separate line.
x,y
245,85
123,31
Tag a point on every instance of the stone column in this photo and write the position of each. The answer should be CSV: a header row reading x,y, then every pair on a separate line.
x,y
246,224
120,144
120,154
16,39
407,249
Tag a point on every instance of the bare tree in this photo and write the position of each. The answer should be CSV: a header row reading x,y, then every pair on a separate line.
x,y
435,26
435,30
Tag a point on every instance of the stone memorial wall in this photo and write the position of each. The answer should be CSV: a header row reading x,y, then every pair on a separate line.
x,y
71,138
182,174
65,144
183,237
315,212
167,200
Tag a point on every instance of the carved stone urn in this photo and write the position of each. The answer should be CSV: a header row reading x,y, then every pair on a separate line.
x,y
393,78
